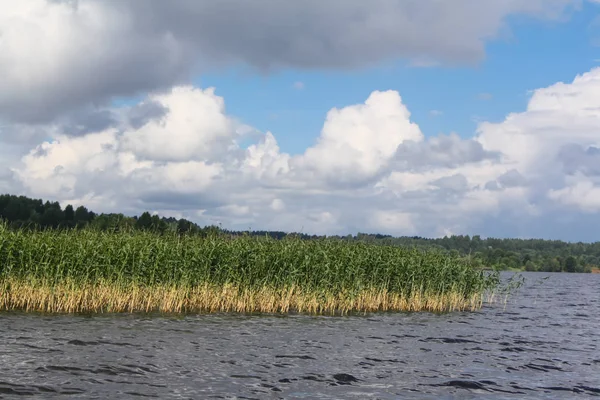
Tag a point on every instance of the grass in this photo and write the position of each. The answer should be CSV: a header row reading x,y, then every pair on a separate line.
x,y
93,271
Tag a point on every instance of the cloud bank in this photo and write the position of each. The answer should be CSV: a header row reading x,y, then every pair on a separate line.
x,y
371,168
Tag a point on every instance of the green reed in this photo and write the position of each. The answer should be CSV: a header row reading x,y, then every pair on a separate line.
x,y
144,258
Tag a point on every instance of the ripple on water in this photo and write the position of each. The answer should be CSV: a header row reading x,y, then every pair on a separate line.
x,y
514,350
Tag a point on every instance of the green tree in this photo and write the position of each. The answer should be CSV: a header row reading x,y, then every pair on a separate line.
x,y
183,226
570,264
53,216
530,266
69,214
554,265
81,216
144,222
157,224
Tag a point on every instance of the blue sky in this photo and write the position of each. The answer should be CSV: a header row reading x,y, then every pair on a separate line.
x,y
503,136
533,54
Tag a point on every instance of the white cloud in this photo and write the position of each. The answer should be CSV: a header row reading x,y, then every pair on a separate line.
x,y
187,158
263,161
556,116
194,127
371,169
52,168
59,55
235,210
277,205
299,85
357,142
394,221
584,195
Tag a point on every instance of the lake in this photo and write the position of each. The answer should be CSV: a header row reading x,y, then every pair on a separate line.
x,y
541,343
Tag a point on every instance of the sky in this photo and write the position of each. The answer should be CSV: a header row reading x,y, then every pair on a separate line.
x,y
402,117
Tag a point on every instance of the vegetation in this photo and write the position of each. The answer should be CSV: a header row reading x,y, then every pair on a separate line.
x,y
91,270
500,254
506,254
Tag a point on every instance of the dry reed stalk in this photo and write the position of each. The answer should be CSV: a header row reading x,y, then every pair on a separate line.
x,y
69,297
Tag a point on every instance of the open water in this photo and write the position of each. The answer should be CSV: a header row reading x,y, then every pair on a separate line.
x,y
542,343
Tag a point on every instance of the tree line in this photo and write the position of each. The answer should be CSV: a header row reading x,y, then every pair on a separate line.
x,y
22,212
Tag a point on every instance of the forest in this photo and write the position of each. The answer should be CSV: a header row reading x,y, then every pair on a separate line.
x,y
21,212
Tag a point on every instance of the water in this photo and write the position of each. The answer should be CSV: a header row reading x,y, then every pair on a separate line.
x,y
543,343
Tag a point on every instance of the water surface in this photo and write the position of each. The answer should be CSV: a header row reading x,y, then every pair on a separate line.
x,y
541,343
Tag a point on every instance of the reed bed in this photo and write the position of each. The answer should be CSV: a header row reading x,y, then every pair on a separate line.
x,y
92,271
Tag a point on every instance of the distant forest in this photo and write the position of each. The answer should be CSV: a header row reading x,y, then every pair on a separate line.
x,y
501,254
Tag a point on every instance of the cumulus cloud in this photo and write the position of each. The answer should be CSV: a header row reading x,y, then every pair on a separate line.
x,y
192,126
264,162
60,55
357,142
529,168
187,153
370,169
554,138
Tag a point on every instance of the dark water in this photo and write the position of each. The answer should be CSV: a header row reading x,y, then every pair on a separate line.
x,y
543,343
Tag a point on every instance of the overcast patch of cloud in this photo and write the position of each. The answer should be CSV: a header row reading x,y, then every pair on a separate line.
x,y
9,156
56,56
87,121
448,151
576,158
145,112
456,183
512,178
